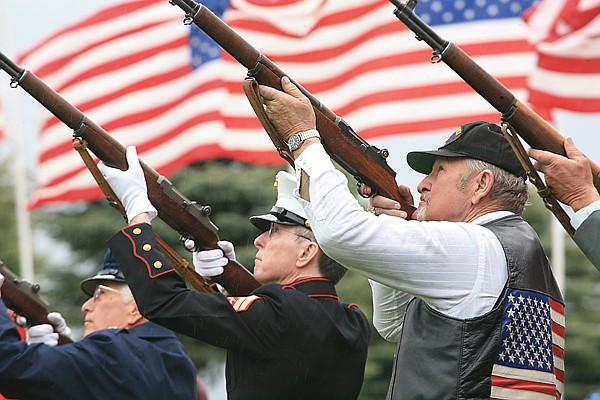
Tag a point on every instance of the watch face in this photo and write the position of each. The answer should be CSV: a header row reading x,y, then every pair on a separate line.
x,y
294,142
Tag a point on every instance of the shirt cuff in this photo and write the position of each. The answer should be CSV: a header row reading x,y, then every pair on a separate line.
x,y
582,214
314,160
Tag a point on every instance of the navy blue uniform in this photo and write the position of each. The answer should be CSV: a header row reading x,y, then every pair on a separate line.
x,y
144,362
294,341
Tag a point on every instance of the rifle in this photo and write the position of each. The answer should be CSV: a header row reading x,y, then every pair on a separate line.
x,y
183,215
181,266
538,133
365,162
23,298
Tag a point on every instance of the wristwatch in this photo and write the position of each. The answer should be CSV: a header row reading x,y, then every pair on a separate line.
x,y
295,141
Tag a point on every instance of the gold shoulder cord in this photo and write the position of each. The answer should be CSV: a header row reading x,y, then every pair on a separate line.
x,y
543,190
180,265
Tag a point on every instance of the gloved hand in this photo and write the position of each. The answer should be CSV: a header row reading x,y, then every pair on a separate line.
x,y
48,334
211,262
130,186
43,333
1,283
59,323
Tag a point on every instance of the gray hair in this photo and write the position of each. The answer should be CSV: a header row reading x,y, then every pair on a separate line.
x,y
509,190
329,268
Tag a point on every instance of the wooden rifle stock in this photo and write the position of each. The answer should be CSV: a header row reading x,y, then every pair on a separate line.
x,y
363,161
23,298
538,133
184,216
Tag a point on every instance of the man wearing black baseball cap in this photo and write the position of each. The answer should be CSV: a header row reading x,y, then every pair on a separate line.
x,y
122,356
454,288
291,338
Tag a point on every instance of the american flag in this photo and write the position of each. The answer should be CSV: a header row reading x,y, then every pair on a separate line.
x,y
151,81
2,123
530,362
566,34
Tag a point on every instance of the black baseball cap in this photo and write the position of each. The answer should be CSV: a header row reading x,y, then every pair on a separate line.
x,y
479,140
110,272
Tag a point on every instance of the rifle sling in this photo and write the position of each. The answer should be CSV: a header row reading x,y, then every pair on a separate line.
x,y
543,190
252,92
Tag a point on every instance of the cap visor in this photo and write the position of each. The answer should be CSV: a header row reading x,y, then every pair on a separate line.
x,y
263,222
422,161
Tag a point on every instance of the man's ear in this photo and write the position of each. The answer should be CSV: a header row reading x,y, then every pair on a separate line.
x,y
134,317
307,254
483,182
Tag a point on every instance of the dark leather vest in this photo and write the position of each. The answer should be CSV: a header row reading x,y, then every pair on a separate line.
x,y
441,357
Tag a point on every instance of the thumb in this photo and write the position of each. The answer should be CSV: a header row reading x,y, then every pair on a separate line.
x,y
132,158
291,89
571,150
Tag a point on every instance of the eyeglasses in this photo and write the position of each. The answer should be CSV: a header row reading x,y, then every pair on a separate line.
x,y
277,228
101,289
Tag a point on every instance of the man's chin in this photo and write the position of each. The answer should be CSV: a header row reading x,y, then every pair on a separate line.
x,y
421,214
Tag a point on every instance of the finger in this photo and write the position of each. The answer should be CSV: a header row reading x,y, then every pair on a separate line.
x,y
406,194
385,203
291,89
189,244
132,157
365,190
209,255
571,150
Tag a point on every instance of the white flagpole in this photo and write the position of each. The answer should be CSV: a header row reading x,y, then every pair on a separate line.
x,y
18,167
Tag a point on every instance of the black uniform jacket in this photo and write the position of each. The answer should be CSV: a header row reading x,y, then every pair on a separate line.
x,y
296,341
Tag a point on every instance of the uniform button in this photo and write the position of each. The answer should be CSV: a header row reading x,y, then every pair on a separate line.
x,y
137,231
157,264
147,247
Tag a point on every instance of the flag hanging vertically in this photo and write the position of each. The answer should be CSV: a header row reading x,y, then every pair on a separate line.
x,y
151,81
566,35
530,362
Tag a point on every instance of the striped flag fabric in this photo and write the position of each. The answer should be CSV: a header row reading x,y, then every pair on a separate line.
x,y
151,81
530,362
2,123
566,35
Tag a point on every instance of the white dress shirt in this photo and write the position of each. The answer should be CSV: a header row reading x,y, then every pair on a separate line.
x,y
457,268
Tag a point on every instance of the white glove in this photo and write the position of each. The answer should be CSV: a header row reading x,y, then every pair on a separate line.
x,y
211,262
1,283
48,334
59,323
43,333
130,186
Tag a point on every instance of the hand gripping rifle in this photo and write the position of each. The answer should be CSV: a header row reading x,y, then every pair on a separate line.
x,y
184,216
538,133
366,163
23,298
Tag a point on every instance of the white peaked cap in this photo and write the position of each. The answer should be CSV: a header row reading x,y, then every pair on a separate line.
x,y
287,209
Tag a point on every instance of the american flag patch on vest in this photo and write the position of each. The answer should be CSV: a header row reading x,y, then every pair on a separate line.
x,y
530,361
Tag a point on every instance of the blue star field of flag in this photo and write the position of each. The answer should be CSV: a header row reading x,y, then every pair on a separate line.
x,y
438,12
526,334
203,48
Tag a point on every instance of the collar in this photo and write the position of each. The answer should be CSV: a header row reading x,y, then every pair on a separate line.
x,y
314,287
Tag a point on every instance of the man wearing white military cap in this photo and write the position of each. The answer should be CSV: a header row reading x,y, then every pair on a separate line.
x,y
291,338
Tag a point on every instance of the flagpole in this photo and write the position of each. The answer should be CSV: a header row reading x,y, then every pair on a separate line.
x,y
18,168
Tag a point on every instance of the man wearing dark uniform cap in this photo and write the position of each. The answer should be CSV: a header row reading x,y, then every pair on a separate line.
x,y
122,356
289,339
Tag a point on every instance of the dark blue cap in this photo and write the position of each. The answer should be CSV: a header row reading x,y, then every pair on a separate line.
x,y
110,272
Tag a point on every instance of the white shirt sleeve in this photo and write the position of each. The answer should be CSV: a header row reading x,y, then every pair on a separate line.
x,y
585,212
458,269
